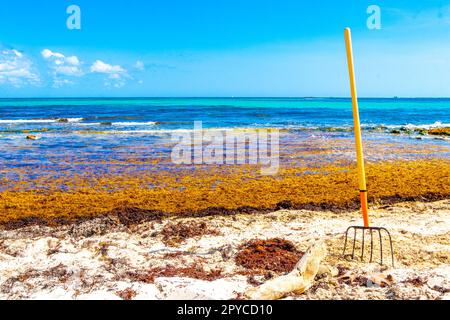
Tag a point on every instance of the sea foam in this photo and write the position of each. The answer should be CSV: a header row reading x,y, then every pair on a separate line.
x,y
19,121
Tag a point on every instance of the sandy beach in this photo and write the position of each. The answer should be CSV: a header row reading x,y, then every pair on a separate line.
x,y
105,259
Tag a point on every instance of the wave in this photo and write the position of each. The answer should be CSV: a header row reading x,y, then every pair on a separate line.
x,y
436,125
122,124
75,120
37,121
378,127
111,118
149,123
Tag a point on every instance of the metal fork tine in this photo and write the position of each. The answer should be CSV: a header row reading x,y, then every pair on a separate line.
x,y
371,245
392,249
381,246
391,245
362,244
354,244
345,243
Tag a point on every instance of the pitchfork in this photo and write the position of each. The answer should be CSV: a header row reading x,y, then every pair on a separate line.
x,y
361,172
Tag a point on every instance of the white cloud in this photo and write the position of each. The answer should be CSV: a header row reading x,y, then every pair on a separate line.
x,y
116,74
58,83
102,67
73,60
62,66
115,82
16,69
139,65
17,53
47,54
68,70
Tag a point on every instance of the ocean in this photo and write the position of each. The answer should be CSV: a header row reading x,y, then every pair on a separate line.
x,y
141,115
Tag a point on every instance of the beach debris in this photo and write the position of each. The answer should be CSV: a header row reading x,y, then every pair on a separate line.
x,y
193,271
441,289
328,270
416,281
94,227
353,278
226,252
382,280
127,294
175,233
284,205
276,255
297,281
130,216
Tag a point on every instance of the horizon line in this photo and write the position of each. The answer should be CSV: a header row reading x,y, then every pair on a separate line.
x,y
219,97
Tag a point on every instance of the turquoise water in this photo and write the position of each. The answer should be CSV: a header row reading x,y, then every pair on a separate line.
x,y
128,115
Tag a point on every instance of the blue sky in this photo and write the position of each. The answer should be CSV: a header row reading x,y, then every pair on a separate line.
x,y
222,48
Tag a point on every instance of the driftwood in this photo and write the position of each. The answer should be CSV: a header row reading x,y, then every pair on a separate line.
x,y
297,281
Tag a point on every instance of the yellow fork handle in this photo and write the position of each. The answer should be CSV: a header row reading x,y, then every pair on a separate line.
x,y
358,139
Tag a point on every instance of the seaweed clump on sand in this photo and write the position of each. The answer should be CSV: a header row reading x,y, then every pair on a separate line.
x,y
126,294
129,216
277,255
193,271
174,233
219,190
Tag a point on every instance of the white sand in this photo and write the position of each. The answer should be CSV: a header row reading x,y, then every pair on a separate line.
x,y
60,263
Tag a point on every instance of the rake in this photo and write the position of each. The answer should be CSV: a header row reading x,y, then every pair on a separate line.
x,y
366,229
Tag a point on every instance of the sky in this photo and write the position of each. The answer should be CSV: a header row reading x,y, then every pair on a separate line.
x,y
223,48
